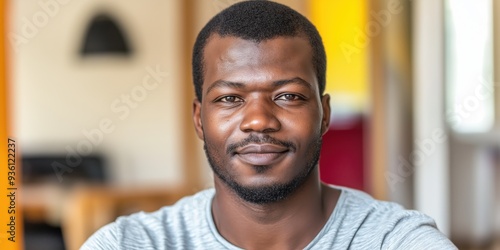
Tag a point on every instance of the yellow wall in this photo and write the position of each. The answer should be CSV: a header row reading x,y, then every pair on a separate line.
x,y
341,24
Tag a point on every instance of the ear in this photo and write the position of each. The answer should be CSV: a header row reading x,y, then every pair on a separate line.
x,y
325,121
197,118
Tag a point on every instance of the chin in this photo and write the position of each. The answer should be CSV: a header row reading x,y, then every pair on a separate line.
x,y
262,180
261,189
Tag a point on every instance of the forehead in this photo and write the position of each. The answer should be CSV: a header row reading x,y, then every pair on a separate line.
x,y
235,59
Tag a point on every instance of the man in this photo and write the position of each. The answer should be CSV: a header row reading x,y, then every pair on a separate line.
x,y
259,75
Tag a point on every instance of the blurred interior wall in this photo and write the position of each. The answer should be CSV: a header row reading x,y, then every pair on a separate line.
x,y
347,47
496,75
496,209
473,192
496,63
431,155
474,171
124,108
391,111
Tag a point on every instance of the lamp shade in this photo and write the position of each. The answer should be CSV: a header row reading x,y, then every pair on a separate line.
x,y
104,36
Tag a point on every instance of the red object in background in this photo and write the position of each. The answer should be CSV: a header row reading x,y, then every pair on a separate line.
x,y
342,154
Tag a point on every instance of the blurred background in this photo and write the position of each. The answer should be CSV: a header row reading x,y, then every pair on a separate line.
x,y
99,97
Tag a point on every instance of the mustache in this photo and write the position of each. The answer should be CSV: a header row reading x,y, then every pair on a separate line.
x,y
231,148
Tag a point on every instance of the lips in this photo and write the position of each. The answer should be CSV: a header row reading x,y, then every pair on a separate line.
x,y
261,154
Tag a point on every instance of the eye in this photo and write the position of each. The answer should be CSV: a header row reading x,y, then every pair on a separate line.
x,y
230,99
289,97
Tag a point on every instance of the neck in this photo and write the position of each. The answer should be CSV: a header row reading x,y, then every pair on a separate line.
x,y
288,224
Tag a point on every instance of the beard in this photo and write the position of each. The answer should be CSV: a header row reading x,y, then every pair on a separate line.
x,y
267,193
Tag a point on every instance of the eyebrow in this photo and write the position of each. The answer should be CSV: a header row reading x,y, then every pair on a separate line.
x,y
278,83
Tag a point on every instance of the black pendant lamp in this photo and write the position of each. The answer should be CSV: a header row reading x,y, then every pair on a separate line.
x,y
104,36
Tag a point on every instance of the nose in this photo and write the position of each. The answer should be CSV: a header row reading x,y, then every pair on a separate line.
x,y
260,116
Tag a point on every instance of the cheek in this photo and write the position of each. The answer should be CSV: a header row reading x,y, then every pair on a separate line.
x,y
225,126
218,127
303,124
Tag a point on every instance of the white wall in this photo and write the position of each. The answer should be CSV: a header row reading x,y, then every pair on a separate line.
x,y
58,94
431,183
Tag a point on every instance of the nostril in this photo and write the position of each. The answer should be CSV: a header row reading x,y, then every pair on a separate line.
x,y
261,123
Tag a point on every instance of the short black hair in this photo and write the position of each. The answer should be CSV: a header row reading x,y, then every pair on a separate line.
x,y
259,20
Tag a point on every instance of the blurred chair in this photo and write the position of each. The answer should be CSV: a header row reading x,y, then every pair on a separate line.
x,y
343,153
43,194
39,169
63,213
92,207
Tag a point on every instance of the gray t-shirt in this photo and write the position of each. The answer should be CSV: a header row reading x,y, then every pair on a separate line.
x,y
357,222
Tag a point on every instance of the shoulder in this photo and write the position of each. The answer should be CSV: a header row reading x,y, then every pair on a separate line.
x,y
360,203
171,224
386,224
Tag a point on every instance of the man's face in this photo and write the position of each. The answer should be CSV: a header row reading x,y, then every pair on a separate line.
x,y
262,116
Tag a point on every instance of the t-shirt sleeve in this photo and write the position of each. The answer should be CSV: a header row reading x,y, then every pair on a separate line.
x,y
416,231
105,238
